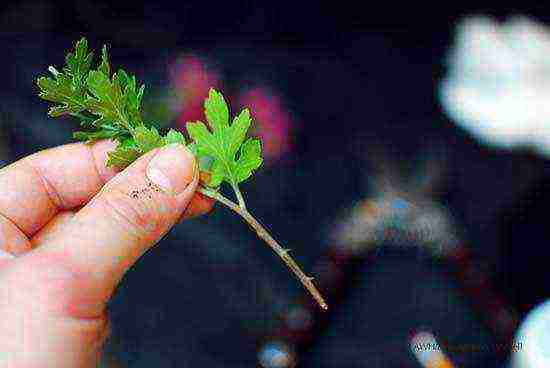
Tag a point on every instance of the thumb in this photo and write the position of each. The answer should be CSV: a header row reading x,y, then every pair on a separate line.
x,y
129,215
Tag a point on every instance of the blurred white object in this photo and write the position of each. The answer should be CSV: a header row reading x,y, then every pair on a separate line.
x,y
498,82
532,343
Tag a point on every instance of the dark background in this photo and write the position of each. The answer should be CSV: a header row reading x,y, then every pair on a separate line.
x,y
361,80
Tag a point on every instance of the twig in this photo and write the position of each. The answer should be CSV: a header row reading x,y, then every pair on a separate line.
x,y
266,236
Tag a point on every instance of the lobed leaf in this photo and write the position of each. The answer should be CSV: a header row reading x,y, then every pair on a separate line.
x,y
216,111
147,139
237,131
173,136
105,66
224,141
124,154
78,63
250,159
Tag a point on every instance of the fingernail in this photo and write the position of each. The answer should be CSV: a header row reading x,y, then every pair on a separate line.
x,y
172,168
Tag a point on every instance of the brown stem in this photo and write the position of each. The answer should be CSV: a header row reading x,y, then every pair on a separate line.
x,y
266,236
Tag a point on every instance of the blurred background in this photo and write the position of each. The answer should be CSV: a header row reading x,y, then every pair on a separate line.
x,y
407,167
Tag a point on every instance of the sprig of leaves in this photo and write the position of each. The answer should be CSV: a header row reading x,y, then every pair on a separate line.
x,y
68,88
108,106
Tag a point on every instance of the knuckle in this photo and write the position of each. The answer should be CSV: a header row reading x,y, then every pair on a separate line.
x,y
142,211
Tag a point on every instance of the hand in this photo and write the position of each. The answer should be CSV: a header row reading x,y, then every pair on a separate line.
x,y
69,229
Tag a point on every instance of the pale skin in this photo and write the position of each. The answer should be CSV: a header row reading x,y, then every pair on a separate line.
x,y
69,229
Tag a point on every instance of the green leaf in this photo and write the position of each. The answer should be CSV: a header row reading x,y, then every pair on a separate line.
x,y
124,154
238,130
106,98
77,89
77,63
173,136
107,131
218,174
132,95
206,142
216,111
147,139
92,136
99,84
68,88
105,66
250,159
108,106
224,141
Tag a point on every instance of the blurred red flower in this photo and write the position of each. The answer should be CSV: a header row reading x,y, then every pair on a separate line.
x,y
273,120
191,78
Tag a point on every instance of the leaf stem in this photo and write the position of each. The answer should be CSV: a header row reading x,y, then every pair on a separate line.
x,y
273,244
239,195
214,194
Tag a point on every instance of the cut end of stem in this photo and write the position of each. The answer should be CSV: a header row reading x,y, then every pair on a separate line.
x,y
322,304
314,293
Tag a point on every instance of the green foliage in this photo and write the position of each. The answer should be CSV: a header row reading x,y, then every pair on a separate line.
x,y
68,88
173,136
124,154
234,160
108,106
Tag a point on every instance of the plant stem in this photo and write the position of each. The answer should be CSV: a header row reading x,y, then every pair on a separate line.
x,y
239,196
266,236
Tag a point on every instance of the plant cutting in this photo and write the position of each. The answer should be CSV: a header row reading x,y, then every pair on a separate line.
x,y
108,106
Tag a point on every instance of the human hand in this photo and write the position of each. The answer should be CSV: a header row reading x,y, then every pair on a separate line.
x,y
69,229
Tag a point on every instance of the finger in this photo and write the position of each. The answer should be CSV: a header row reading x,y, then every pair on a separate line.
x,y
12,239
34,189
14,242
52,228
130,214
5,258
199,205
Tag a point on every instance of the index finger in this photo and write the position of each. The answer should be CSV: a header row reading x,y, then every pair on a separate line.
x,y
35,188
